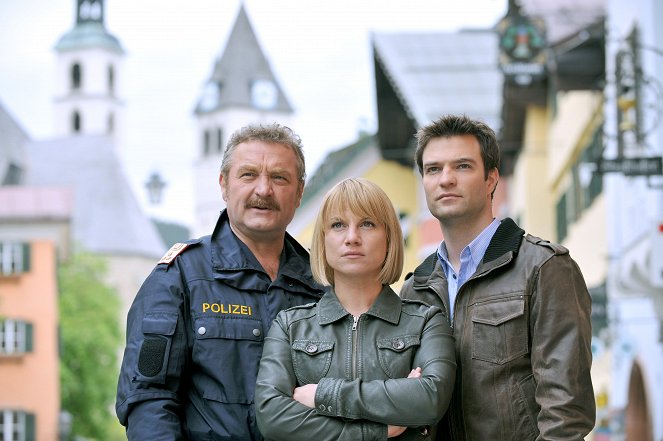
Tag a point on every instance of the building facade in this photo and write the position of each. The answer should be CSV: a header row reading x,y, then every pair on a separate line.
x,y
34,236
634,203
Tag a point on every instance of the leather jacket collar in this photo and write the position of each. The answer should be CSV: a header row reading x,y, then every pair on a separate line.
x,y
386,307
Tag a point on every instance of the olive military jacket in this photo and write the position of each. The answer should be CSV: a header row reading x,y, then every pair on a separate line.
x,y
194,338
360,366
523,342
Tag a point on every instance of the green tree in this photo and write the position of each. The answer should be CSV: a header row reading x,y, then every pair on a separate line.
x,y
90,338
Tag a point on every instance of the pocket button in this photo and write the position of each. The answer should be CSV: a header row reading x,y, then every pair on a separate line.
x,y
398,344
311,348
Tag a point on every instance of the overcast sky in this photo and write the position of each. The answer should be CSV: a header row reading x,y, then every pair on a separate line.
x,y
319,51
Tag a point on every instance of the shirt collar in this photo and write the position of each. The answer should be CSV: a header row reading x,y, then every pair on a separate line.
x,y
476,249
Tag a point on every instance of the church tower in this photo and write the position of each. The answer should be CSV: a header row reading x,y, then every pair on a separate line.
x,y
88,76
241,90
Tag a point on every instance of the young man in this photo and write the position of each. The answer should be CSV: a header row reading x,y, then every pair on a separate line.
x,y
518,305
196,328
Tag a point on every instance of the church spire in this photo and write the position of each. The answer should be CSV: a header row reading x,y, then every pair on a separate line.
x,y
242,76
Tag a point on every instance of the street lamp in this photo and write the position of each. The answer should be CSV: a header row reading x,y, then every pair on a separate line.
x,y
155,185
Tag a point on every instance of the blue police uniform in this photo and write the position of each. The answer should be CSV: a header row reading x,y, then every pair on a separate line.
x,y
195,334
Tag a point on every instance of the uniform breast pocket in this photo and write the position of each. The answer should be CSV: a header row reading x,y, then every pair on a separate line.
x,y
311,359
228,351
499,330
396,354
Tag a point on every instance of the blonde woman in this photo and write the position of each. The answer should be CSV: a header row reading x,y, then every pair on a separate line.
x,y
361,364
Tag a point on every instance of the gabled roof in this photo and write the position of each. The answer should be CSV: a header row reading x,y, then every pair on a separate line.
x,y
241,65
421,76
334,161
107,218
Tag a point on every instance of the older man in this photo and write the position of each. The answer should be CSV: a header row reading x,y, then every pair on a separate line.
x,y
195,330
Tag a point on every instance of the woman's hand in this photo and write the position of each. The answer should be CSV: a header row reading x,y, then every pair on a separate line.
x,y
306,394
393,431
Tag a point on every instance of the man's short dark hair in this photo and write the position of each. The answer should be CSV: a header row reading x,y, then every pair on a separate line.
x,y
458,125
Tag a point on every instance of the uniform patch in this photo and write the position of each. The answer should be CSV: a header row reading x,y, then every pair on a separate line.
x,y
172,253
152,354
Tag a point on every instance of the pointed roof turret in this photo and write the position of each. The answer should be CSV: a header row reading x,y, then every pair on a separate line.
x,y
242,76
89,30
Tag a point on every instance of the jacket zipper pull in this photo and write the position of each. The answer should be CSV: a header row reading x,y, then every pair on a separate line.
x,y
355,320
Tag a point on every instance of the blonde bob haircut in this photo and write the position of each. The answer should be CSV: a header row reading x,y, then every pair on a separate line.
x,y
364,199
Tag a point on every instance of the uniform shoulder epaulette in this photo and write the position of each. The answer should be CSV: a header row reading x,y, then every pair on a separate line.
x,y
175,251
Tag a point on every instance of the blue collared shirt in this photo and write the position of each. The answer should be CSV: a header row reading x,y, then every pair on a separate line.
x,y
470,258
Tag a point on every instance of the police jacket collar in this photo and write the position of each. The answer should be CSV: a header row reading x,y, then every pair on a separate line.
x,y
231,258
386,307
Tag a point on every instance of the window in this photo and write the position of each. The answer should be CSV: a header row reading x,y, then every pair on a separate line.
x,y
219,140
17,425
76,122
586,185
206,143
562,219
14,175
111,80
15,337
14,258
76,76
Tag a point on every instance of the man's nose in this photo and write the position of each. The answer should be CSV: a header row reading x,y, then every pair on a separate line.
x,y
447,177
263,185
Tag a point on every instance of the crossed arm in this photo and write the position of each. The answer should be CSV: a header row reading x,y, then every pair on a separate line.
x,y
345,409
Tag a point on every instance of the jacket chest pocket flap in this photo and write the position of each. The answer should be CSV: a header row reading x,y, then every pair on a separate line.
x,y
311,359
231,329
397,353
499,330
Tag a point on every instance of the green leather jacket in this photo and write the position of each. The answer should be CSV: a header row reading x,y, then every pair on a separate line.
x,y
360,367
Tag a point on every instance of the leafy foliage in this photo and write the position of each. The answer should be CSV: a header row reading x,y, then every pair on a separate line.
x,y
90,338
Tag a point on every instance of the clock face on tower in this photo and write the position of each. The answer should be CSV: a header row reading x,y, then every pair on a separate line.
x,y
264,94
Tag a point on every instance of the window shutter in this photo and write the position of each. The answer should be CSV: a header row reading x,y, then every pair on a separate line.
x,y
26,257
28,337
30,426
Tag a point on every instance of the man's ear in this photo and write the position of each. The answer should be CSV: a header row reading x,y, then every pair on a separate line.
x,y
222,184
300,193
492,180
